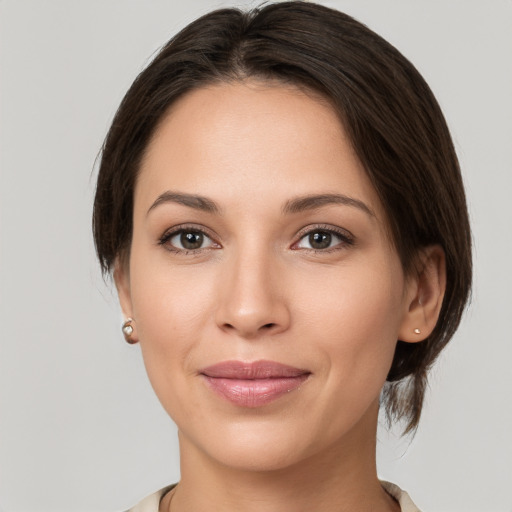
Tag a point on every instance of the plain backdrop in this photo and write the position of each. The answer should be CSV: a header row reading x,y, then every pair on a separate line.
x,y
80,428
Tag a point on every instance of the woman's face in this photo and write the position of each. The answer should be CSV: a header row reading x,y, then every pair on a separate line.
x,y
266,294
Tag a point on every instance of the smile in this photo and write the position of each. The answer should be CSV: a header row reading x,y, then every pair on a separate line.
x,y
253,384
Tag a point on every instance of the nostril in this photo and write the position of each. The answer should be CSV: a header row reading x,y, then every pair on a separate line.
x,y
252,328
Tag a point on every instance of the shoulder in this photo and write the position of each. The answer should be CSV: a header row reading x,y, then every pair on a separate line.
x,y
151,503
405,502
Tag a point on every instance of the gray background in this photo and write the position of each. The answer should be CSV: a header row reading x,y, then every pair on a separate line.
x,y
80,429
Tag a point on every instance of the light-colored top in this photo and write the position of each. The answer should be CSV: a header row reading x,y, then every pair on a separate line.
x,y
405,502
152,502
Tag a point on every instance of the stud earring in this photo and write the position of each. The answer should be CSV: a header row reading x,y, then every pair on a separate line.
x,y
128,331
417,331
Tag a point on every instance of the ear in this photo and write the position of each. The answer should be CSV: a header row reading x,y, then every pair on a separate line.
x,y
424,295
122,281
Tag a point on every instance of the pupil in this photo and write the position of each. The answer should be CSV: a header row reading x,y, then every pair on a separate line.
x,y
320,240
191,240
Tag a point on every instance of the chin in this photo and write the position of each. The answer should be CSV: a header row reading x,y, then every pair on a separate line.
x,y
258,455
256,446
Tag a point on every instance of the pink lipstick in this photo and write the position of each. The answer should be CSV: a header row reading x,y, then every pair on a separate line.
x,y
253,384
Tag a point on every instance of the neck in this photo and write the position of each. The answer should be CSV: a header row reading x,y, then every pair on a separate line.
x,y
341,478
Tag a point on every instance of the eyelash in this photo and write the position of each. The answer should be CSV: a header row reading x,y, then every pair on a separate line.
x,y
169,235
346,239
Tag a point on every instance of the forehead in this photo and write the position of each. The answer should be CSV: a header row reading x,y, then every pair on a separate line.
x,y
261,140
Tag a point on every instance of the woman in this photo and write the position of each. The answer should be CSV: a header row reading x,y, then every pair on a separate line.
x,y
281,207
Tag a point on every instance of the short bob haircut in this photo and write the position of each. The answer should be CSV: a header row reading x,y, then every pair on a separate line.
x,y
388,111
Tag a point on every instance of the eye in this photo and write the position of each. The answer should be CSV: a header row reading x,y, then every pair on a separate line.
x,y
323,239
187,240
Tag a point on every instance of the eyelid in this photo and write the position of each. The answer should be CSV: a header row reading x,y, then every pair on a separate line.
x,y
346,236
175,230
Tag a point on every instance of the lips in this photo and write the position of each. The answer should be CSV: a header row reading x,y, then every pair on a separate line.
x,y
253,384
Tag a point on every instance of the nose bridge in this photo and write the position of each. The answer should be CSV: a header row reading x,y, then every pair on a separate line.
x,y
252,302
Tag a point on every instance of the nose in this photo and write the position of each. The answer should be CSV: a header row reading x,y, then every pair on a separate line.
x,y
252,301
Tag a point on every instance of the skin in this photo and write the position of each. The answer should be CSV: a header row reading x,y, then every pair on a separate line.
x,y
257,289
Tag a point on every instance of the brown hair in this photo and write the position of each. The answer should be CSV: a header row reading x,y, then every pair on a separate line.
x,y
390,114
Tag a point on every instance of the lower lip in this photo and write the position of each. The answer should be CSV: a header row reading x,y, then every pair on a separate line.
x,y
255,392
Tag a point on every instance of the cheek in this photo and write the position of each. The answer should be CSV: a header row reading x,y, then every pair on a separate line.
x,y
353,325
172,312
166,298
356,318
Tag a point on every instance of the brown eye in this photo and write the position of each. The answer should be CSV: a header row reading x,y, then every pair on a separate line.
x,y
323,239
191,240
320,240
187,240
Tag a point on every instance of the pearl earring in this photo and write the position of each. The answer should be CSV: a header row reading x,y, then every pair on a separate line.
x,y
417,331
128,331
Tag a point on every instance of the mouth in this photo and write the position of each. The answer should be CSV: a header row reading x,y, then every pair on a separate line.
x,y
253,384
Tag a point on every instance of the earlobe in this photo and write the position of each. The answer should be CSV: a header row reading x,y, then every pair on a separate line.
x,y
122,282
424,295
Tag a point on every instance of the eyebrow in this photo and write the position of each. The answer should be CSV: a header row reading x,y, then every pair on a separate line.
x,y
296,205
191,200
313,202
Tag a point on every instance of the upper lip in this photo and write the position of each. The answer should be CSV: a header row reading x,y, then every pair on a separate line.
x,y
252,370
